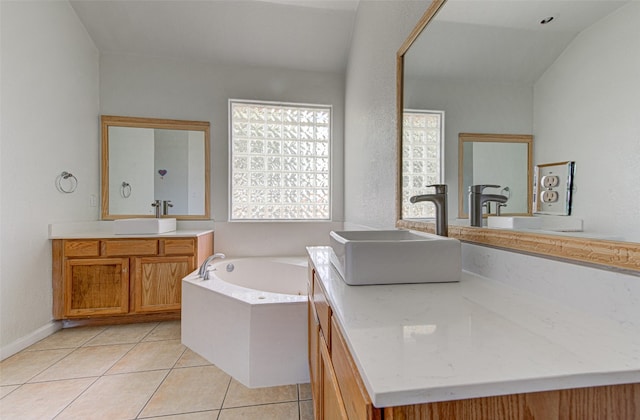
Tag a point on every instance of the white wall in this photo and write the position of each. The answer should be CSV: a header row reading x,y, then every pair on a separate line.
x,y
49,124
164,88
598,292
370,109
587,109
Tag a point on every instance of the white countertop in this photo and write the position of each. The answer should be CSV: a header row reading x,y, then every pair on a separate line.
x,y
104,229
110,235
419,343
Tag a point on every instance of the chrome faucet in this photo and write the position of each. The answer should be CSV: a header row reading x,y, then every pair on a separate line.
x,y
440,201
165,206
499,207
157,205
477,200
203,271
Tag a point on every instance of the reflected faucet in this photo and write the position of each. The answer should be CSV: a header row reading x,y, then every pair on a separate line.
x,y
477,200
202,271
440,201
165,206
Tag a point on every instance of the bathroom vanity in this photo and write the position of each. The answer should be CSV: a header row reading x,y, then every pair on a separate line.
x,y
473,349
124,278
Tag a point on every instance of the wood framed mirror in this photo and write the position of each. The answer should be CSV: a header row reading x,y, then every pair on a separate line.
x,y
462,51
149,159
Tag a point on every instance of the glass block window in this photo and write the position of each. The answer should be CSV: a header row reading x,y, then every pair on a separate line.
x,y
279,161
422,159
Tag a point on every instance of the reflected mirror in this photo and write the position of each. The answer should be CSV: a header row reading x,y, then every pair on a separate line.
x,y
493,67
495,159
147,161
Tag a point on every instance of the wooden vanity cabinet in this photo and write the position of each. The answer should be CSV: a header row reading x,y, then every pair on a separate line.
x,y
123,278
336,387
338,390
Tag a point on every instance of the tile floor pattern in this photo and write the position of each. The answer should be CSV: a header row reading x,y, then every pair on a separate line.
x,y
136,371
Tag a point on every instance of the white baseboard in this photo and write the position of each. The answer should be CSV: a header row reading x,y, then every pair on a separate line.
x,y
29,339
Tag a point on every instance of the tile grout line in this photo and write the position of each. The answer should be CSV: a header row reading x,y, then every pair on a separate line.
x,y
77,396
299,408
92,382
73,349
163,379
82,345
224,398
152,394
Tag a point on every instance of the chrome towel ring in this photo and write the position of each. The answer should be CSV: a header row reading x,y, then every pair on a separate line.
x,y
125,189
66,182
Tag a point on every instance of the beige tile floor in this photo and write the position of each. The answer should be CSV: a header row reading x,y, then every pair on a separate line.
x,y
137,371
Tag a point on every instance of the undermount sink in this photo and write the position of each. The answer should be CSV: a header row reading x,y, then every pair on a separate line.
x,y
395,256
143,226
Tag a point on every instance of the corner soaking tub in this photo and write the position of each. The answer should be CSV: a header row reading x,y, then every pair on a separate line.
x,y
250,319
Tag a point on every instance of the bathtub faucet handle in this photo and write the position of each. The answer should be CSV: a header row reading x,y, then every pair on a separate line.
x,y
203,271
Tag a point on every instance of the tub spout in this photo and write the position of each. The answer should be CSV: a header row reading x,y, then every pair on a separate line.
x,y
203,271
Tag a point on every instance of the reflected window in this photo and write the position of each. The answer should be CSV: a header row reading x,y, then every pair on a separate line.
x,y
279,161
422,157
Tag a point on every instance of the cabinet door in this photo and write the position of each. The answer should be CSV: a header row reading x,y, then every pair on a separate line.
x,y
96,287
354,394
315,362
332,404
157,282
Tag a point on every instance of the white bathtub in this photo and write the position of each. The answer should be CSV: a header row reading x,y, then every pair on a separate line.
x,y
251,321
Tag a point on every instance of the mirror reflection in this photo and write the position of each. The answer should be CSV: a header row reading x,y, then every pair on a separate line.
x,y
503,160
492,67
154,167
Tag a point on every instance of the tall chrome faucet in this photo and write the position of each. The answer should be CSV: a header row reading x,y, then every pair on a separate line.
x,y
157,205
477,200
165,207
440,200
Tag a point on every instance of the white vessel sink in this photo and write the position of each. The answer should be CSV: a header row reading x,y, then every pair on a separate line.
x,y
542,223
395,256
514,222
142,226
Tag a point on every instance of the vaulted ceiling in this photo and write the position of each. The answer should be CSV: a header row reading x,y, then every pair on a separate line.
x,y
315,35
296,34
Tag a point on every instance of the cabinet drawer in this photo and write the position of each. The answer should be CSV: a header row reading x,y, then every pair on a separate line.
x,y
73,248
355,396
179,247
322,308
130,247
